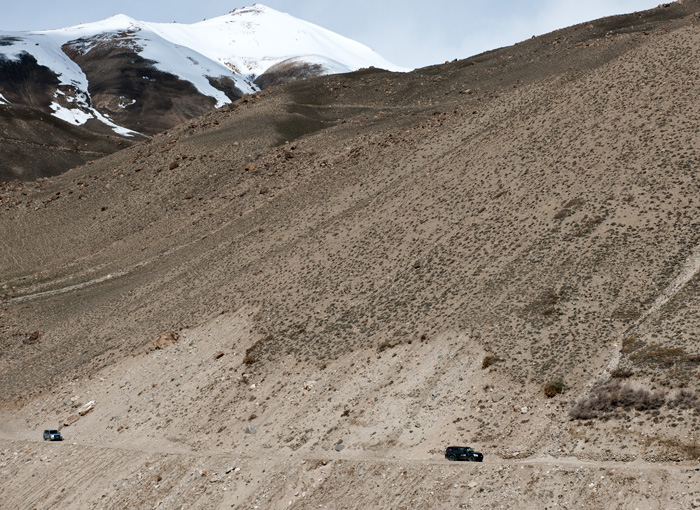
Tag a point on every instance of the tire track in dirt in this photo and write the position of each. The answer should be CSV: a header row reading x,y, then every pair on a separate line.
x,y
124,272
101,454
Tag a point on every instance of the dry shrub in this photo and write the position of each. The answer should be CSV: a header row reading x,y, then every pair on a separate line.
x,y
488,361
621,373
249,358
386,345
607,397
255,352
685,399
657,355
554,388
689,450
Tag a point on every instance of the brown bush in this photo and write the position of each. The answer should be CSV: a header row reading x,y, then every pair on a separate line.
x,y
607,397
554,388
488,361
621,373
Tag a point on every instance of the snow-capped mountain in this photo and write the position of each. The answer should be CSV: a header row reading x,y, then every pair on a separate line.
x,y
139,77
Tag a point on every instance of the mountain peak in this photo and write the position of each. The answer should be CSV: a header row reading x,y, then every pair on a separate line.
x,y
255,8
215,61
116,22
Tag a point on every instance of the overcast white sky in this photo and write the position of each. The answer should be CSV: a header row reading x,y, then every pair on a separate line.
x,y
408,33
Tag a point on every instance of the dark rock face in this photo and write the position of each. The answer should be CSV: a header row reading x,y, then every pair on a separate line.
x,y
131,91
226,85
24,81
35,144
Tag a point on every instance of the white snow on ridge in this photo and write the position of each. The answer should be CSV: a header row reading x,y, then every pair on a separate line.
x,y
329,65
258,37
46,49
176,59
240,45
47,52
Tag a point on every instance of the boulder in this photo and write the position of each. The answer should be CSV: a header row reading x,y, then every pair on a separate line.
x,y
32,339
87,408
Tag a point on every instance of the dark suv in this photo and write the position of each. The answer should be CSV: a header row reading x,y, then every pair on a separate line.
x,y
52,435
463,453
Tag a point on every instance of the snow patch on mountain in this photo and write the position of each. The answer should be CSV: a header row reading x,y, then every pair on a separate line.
x,y
250,40
240,45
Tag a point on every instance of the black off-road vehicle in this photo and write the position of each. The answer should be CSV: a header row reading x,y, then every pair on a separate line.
x,y
463,453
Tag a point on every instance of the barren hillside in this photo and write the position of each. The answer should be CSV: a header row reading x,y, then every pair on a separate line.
x,y
301,299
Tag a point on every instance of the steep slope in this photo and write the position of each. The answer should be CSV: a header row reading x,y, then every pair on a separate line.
x,y
131,78
36,145
361,269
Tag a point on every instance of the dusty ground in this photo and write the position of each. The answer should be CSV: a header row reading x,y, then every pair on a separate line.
x,y
360,270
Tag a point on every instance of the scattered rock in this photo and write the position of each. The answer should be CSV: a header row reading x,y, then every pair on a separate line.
x,y
87,408
251,429
218,355
174,165
497,397
309,385
70,420
32,339
339,447
250,167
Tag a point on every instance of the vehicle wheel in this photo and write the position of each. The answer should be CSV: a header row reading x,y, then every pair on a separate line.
x,y
451,458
